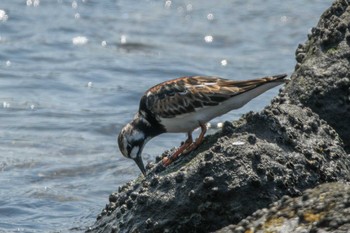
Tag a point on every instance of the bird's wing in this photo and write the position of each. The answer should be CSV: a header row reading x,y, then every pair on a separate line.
x,y
187,94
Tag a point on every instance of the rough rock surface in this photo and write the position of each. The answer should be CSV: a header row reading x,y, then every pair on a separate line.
x,y
322,77
322,209
283,150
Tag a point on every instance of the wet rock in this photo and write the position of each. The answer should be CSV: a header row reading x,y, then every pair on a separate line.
x,y
294,144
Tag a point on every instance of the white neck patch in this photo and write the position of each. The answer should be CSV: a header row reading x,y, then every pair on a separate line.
x,y
137,135
134,151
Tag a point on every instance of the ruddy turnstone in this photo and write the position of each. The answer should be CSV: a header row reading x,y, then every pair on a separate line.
x,y
184,104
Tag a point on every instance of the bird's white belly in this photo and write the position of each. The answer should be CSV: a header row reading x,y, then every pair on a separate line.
x,y
184,123
189,121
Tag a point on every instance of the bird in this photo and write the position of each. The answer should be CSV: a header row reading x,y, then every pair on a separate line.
x,y
183,104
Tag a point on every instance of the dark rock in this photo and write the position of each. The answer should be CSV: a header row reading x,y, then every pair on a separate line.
x,y
239,178
322,80
322,209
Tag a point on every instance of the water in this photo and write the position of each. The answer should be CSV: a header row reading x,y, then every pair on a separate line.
x,y
72,73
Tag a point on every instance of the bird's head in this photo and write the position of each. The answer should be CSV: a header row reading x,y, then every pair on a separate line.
x,y
131,141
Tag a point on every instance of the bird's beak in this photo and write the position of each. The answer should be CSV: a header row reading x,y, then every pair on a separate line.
x,y
139,162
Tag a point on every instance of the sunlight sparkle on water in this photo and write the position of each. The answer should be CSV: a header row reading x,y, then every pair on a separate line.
x,y
189,7
33,3
74,5
208,38
3,15
223,62
284,19
210,16
5,104
167,4
123,39
79,40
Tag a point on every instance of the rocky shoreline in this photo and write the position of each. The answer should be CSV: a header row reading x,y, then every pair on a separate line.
x,y
267,171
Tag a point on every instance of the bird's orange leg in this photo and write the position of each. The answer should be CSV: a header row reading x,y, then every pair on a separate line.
x,y
188,146
199,140
168,160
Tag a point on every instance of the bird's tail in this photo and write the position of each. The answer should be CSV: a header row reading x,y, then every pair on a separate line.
x,y
280,78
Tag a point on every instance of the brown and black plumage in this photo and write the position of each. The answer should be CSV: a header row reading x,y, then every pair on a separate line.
x,y
184,104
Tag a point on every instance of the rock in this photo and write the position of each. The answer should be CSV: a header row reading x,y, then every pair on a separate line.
x,y
322,209
321,80
224,182
293,145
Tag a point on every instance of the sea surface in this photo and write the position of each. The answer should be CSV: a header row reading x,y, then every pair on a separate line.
x,y
72,74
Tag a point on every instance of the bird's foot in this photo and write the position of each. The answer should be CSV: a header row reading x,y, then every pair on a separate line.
x,y
169,159
191,148
187,147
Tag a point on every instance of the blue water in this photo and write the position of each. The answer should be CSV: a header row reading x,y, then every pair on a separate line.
x,y
72,73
